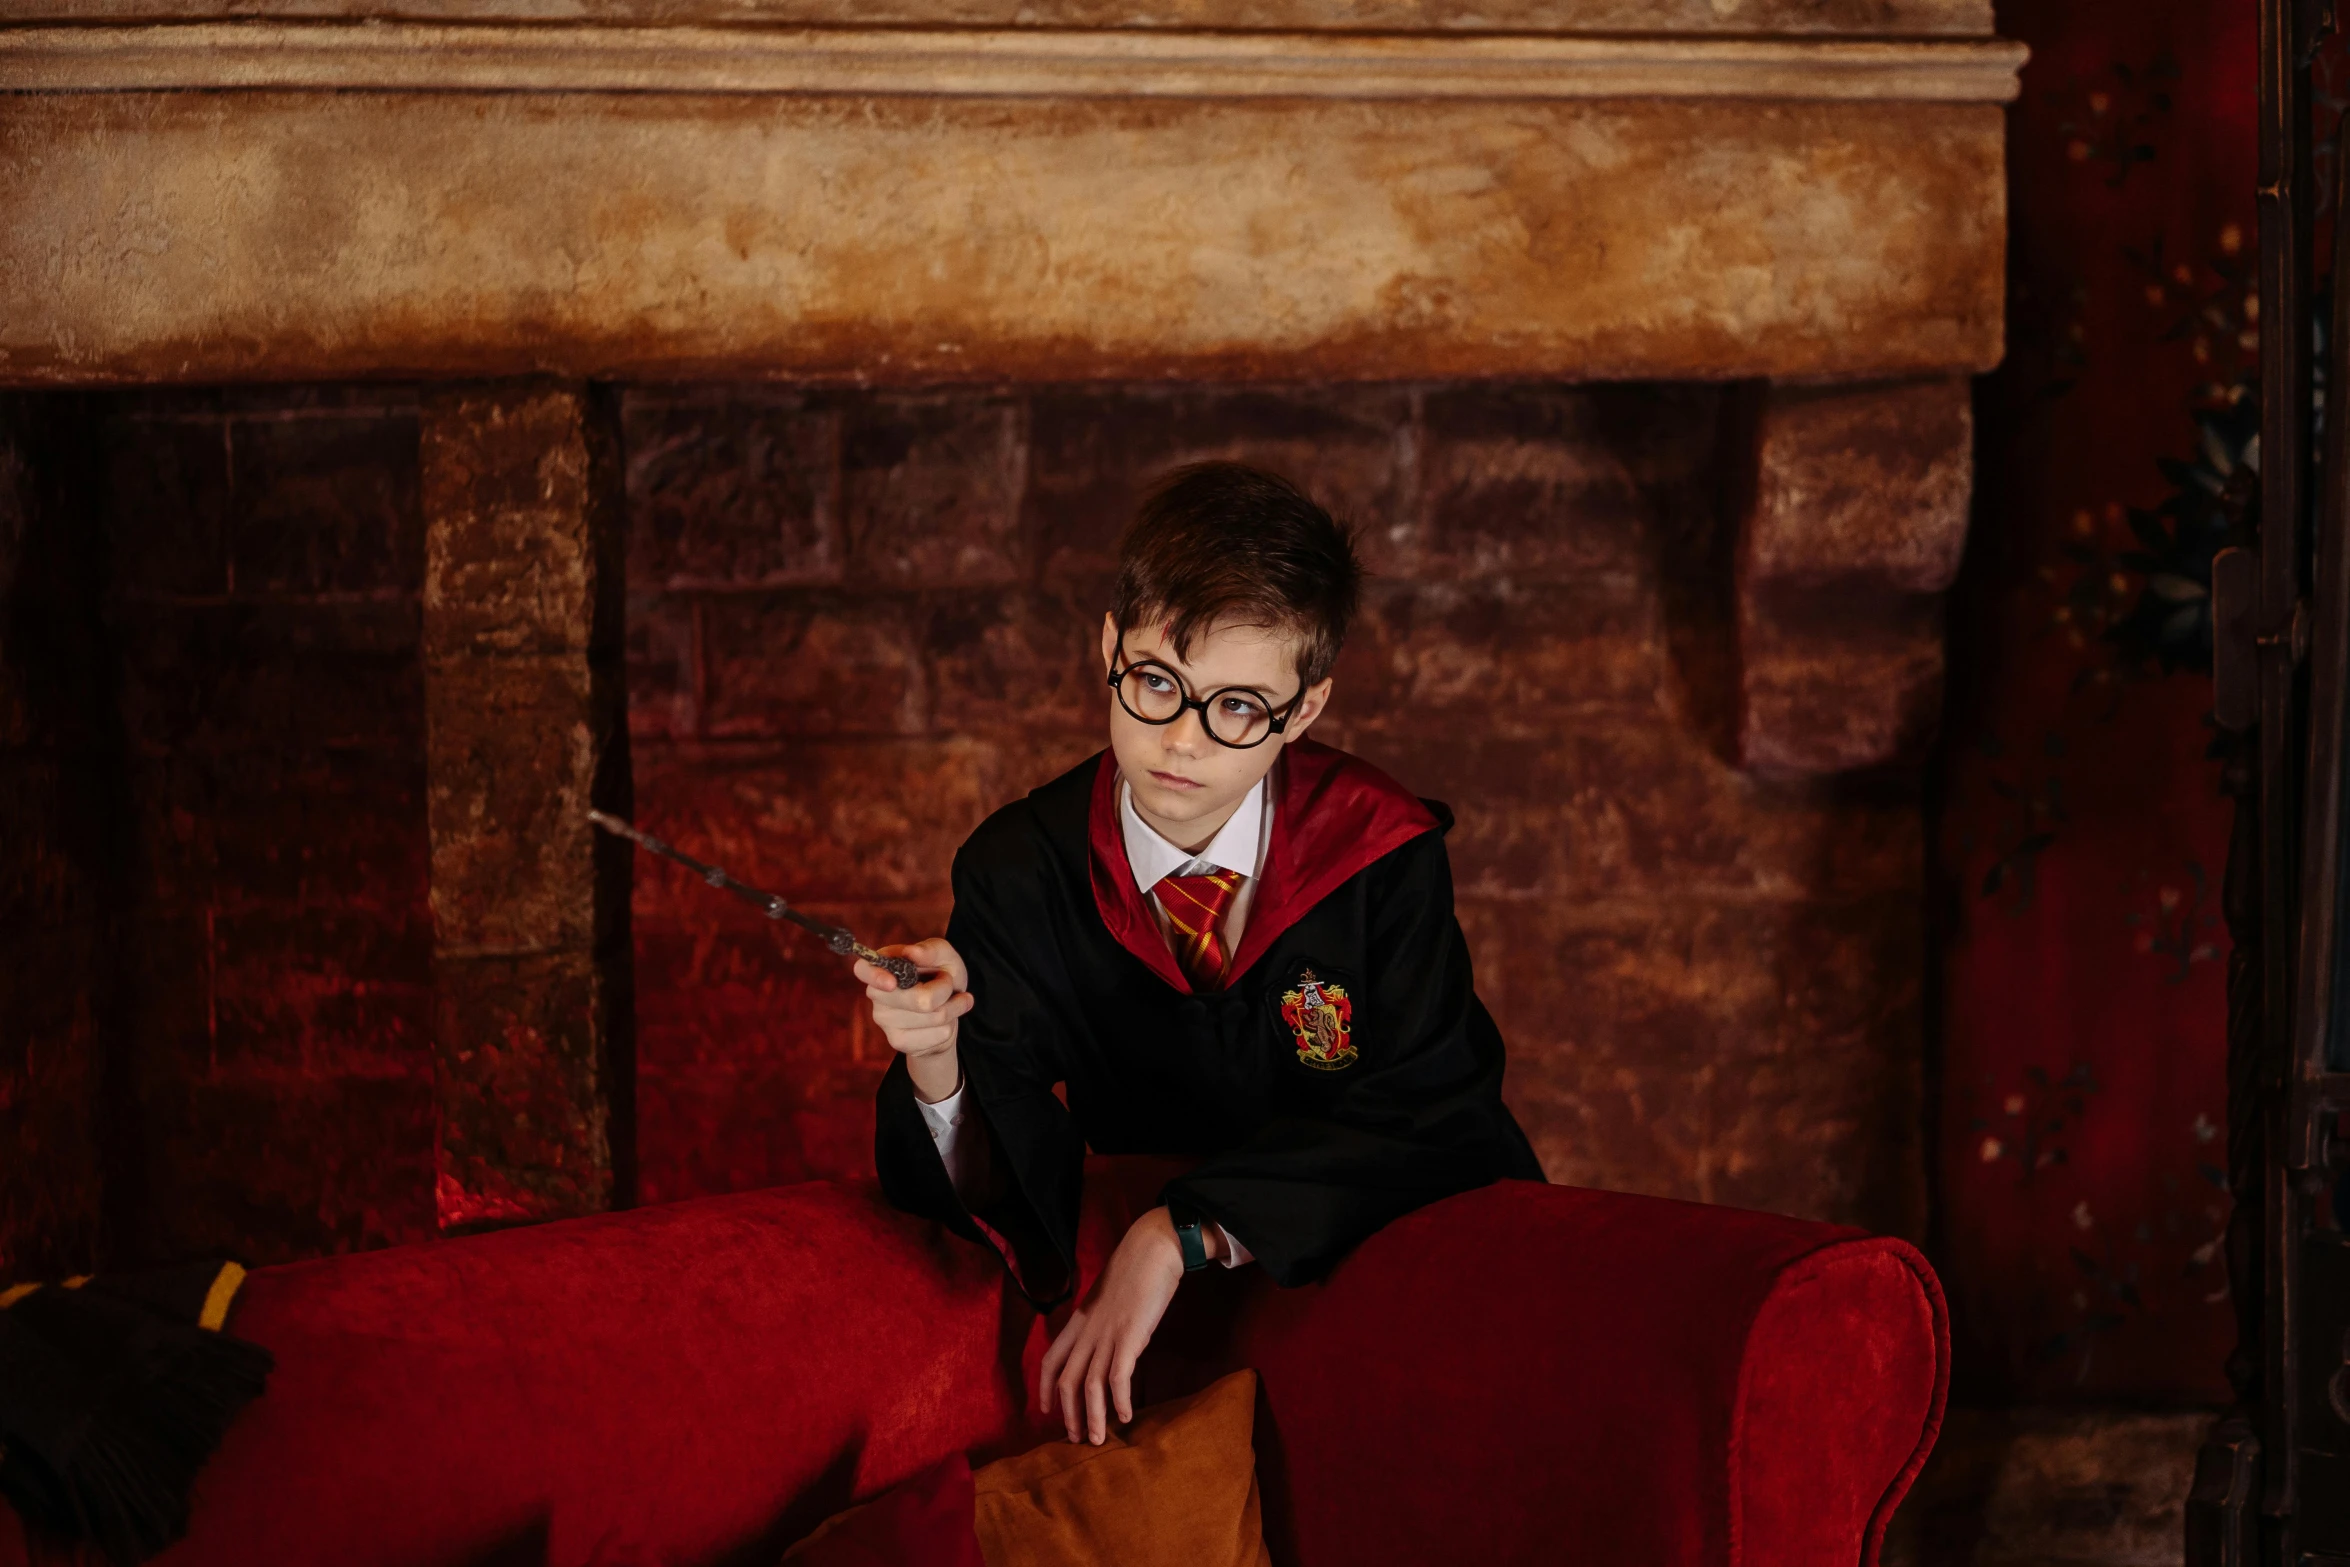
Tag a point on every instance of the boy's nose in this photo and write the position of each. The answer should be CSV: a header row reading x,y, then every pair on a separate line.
x,y
1189,733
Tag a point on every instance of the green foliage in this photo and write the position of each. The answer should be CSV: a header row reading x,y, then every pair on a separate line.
x,y
2167,627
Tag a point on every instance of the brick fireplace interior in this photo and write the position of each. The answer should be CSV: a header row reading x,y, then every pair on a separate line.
x,y
750,458
855,623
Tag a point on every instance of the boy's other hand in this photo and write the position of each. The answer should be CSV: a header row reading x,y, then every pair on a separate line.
x,y
1090,1367
920,1024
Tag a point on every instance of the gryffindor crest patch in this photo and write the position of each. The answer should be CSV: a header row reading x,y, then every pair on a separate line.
x,y
1321,1018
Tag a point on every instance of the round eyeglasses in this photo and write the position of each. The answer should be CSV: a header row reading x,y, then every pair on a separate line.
x,y
1235,716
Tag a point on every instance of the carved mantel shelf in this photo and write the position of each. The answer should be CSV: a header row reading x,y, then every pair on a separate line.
x,y
746,187
412,56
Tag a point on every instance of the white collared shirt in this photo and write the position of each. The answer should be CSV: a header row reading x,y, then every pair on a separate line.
x,y
1239,846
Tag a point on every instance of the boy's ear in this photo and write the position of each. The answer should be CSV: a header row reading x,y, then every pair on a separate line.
x,y
1109,642
1309,708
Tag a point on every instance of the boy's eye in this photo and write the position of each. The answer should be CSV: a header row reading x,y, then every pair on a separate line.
x,y
1156,684
1242,707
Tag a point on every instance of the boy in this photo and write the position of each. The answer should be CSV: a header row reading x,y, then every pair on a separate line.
x,y
1223,939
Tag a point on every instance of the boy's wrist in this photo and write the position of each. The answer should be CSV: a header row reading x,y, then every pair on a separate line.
x,y
1167,1227
1160,1230
937,1074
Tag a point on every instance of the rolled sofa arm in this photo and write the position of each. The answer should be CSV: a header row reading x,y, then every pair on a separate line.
x,y
1531,1373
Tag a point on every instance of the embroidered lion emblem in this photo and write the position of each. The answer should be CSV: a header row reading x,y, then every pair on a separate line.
x,y
1321,1018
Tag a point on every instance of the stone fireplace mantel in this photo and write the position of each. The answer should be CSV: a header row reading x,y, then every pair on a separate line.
x,y
507,205
278,198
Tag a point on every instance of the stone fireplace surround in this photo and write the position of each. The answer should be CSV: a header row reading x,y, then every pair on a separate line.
x,y
726,413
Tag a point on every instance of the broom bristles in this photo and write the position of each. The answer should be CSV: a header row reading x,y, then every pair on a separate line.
x,y
118,1473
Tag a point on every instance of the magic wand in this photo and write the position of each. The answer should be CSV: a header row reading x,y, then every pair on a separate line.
x,y
834,936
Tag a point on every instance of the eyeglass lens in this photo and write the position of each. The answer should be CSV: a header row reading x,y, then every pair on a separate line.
x,y
1236,716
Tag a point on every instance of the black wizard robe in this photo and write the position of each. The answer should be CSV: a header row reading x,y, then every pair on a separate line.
x,y
1345,1075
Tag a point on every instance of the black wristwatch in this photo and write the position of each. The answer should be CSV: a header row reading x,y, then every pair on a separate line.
x,y
1195,1249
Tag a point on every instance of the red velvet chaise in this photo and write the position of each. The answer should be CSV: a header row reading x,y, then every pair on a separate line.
x,y
1521,1374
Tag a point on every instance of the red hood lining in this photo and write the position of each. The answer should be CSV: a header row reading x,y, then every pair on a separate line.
x,y
1333,814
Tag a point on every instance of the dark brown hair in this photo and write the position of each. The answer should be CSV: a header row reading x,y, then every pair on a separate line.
x,y
1221,541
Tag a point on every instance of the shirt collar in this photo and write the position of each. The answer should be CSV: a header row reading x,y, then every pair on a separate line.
x,y
1234,848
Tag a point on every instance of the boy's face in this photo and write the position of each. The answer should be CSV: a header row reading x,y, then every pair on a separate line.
x,y
1186,785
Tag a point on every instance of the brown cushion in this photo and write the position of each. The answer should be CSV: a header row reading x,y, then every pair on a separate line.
x,y
1178,1488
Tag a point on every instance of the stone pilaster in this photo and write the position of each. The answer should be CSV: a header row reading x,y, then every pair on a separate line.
x,y
525,731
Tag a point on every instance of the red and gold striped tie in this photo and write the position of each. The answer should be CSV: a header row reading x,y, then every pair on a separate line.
x,y
1196,906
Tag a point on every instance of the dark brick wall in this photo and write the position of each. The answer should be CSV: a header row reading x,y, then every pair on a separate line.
x,y
858,622
266,570
58,856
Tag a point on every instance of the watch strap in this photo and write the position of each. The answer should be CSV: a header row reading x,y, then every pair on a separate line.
x,y
1195,1247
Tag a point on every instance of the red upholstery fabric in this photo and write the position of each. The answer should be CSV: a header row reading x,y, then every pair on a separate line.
x,y
1512,1375
928,1521
1525,1370
663,1386
1847,1320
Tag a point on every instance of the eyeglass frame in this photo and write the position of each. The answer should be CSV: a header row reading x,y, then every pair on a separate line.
x,y
1276,721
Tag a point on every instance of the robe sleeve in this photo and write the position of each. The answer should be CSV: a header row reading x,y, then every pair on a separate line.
x,y
1421,1117
1010,1044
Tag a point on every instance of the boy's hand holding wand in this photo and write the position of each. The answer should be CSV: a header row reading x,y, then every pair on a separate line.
x,y
919,1020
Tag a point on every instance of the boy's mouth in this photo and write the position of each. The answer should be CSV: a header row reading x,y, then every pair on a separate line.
x,y
1174,781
